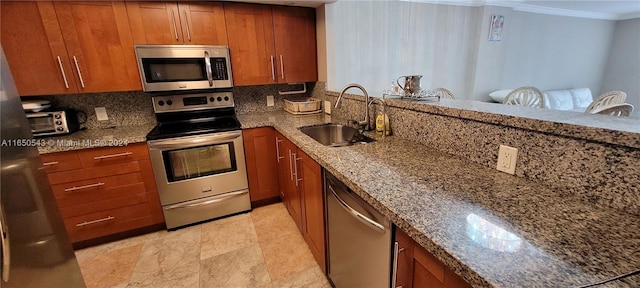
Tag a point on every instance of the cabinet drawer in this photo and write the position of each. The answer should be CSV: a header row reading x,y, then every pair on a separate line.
x,y
108,222
112,155
92,173
107,204
73,193
62,161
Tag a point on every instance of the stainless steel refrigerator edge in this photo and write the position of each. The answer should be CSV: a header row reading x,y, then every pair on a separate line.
x,y
36,251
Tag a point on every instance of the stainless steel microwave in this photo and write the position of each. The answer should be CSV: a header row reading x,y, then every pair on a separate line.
x,y
53,122
183,67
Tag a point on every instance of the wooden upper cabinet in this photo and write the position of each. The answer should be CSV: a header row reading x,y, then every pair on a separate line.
x,y
196,23
99,45
295,39
34,47
203,23
251,43
271,44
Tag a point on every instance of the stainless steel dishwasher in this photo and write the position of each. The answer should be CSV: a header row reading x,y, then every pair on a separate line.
x,y
359,239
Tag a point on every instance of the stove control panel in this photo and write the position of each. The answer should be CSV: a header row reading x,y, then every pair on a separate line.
x,y
191,102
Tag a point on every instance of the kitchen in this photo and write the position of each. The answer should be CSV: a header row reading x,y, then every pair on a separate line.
x,y
363,167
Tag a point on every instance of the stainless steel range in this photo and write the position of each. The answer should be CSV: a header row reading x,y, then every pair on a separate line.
x,y
197,156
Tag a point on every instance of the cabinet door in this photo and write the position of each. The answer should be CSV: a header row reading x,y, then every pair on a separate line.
x,y
203,23
154,22
260,155
310,177
34,47
288,186
99,45
404,273
295,38
250,33
283,167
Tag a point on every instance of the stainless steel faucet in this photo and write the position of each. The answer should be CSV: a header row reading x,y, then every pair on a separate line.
x,y
364,123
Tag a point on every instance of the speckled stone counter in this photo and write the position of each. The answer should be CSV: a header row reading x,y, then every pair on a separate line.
x,y
452,207
96,137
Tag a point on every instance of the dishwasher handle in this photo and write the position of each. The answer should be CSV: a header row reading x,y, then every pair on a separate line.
x,y
362,218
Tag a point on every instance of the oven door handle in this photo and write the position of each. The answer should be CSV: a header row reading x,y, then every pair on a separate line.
x,y
218,199
192,142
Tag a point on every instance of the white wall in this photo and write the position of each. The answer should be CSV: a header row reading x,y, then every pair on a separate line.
x,y
623,67
373,42
556,52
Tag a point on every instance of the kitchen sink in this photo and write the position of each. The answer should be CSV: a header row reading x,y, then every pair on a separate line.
x,y
335,134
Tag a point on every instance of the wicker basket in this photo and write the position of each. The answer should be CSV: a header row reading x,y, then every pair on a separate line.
x,y
304,106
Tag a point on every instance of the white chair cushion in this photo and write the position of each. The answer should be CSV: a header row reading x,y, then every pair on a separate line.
x,y
499,95
558,100
582,97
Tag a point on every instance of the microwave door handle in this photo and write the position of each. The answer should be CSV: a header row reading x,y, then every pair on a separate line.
x,y
207,62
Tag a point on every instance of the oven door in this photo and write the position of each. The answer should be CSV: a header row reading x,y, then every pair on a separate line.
x,y
183,67
194,167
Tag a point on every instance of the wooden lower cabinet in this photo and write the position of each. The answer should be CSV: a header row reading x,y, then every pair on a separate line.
x,y
418,268
262,169
104,191
301,191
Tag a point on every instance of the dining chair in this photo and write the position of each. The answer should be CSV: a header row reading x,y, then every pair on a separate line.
x,y
623,109
605,100
525,96
444,93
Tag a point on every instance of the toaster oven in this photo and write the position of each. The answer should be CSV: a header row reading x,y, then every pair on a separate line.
x,y
53,122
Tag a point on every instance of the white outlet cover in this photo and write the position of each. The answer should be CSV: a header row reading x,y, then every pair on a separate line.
x,y
270,100
327,107
507,158
101,114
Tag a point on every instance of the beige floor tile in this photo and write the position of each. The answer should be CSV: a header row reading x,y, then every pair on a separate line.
x,y
111,246
110,268
272,222
243,267
287,255
170,261
311,278
219,237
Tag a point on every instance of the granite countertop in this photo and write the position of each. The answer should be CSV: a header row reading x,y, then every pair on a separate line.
x,y
452,207
96,137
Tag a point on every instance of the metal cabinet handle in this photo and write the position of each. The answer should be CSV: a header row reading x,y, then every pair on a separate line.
x,y
64,76
74,188
85,223
273,69
281,66
295,167
50,163
290,167
364,219
175,28
6,247
75,60
186,22
278,157
207,63
112,156
208,202
394,275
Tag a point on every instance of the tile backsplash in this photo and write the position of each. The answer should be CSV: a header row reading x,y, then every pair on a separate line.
x,y
136,108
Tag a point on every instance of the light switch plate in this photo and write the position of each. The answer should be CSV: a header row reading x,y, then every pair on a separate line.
x,y
327,107
507,157
270,101
101,113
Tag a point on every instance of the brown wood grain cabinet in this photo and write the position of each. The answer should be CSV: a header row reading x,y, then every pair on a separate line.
x,y
419,268
104,191
271,44
193,23
69,47
262,169
301,185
